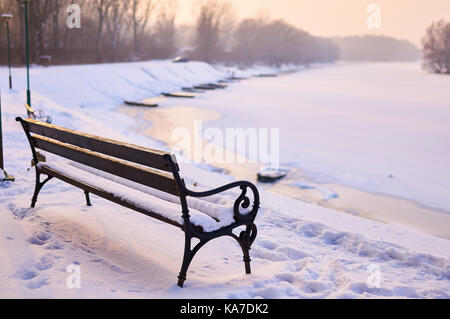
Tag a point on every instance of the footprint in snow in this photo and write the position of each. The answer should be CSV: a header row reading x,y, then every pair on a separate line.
x,y
44,263
314,287
43,236
113,267
34,241
268,244
19,212
309,274
332,238
55,246
39,238
310,230
286,276
362,288
268,254
32,271
36,284
292,253
26,274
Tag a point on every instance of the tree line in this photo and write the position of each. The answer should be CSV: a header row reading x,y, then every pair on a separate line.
x,y
255,40
133,30
376,48
110,31
436,48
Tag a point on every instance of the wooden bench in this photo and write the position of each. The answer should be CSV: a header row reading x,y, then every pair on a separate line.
x,y
91,158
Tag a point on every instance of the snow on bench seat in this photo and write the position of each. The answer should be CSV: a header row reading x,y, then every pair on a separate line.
x,y
209,215
216,206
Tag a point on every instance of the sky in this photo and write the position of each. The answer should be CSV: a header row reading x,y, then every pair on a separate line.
x,y
403,19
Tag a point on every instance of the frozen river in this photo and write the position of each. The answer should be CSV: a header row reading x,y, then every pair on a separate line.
x,y
366,139
382,128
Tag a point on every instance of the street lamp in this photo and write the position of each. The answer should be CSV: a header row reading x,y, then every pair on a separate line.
x,y
7,17
27,52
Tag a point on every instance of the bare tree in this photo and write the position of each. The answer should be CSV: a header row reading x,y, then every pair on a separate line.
x,y
116,23
57,9
141,12
40,11
214,24
247,41
165,37
102,7
436,48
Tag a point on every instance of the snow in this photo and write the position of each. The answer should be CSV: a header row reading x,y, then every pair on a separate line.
x,y
381,127
219,207
327,194
210,217
302,250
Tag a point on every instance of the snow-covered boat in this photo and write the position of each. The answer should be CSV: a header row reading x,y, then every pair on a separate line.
x,y
183,95
131,103
269,174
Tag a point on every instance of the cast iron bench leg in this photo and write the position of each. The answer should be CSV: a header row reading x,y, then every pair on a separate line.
x,y
38,188
88,199
187,258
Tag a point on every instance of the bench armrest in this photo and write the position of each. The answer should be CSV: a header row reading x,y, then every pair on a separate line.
x,y
241,202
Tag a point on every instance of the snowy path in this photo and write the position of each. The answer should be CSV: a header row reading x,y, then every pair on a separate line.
x,y
124,254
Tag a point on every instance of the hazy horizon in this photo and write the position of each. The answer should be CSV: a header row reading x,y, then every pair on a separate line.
x,y
402,19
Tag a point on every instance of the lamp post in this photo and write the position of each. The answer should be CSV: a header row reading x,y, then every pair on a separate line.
x,y
7,17
27,43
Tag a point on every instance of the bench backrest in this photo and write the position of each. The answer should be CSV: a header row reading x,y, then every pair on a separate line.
x,y
139,164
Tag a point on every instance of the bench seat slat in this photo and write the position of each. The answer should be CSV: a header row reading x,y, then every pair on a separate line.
x,y
145,176
128,152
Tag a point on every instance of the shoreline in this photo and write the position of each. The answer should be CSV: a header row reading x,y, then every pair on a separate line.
x,y
338,197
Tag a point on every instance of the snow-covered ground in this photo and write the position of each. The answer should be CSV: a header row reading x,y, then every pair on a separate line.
x,y
302,251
